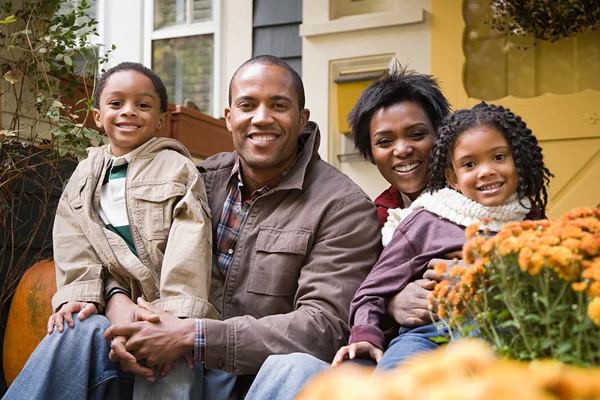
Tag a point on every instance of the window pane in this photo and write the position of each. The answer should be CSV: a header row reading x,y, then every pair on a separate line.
x,y
202,10
185,65
169,12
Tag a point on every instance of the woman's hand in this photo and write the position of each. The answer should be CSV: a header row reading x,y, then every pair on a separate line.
x,y
432,274
65,313
410,306
354,349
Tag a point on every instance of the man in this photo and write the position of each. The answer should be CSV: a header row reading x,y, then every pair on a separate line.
x,y
293,238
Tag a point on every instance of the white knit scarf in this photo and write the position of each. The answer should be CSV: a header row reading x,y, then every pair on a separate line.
x,y
455,207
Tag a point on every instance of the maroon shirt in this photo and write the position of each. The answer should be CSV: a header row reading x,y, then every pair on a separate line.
x,y
390,198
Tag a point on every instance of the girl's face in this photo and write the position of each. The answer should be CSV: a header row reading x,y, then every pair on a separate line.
x,y
483,168
401,138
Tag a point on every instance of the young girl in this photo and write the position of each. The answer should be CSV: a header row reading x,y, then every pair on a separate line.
x,y
495,168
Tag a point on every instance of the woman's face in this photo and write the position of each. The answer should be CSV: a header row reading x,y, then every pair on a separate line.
x,y
401,138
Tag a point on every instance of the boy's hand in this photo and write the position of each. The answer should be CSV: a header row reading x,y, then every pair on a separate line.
x,y
351,351
65,313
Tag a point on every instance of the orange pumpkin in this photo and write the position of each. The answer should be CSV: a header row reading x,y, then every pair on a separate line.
x,y
28,317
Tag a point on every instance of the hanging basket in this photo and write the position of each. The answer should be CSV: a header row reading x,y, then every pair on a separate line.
x,y
548,20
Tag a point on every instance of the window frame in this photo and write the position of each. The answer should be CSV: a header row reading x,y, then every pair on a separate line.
x,y
185,30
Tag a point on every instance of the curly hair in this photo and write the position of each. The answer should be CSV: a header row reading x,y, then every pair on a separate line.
x,y
132,66
527,154
397,85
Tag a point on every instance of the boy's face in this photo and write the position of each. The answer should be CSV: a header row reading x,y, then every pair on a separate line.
x,y
483,168
129,111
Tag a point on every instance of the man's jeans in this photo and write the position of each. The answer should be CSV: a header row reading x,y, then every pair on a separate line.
x,y
282,377
73,364
184,383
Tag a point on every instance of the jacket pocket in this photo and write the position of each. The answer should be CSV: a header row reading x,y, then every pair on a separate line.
x,y
276,264
153,207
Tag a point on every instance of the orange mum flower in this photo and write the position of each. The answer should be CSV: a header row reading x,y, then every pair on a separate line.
x,y
439,269
594,290
593,310
525,258
472,230
579,286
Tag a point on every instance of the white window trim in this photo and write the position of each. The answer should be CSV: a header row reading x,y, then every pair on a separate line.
x,y
101,27
197,28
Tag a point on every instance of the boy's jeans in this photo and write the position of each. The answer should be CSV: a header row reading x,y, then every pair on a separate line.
x,y
75,365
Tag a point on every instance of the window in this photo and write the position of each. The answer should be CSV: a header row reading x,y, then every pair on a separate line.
x,y
183,49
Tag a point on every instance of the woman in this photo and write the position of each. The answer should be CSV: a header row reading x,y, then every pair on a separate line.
x,y
394,124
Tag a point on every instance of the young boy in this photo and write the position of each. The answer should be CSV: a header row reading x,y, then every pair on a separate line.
x,y
133,218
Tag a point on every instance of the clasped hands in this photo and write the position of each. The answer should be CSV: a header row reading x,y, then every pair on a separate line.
x,y
144,337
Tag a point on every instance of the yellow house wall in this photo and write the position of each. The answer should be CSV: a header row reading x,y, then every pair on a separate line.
x,y
567,126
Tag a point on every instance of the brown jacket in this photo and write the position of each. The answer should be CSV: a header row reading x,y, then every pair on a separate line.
x,y
166,204
302,252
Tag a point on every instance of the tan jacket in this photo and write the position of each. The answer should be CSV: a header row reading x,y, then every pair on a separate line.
x,y
302,252
170,223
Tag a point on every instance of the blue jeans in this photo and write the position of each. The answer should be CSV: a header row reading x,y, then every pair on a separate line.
x,y
72,365
75,365
184,383
282,377
409,342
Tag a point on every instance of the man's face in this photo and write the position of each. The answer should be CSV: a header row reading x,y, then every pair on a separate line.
x,y
264,119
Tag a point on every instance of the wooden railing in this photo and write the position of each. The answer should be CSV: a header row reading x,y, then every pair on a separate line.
x,y
202,134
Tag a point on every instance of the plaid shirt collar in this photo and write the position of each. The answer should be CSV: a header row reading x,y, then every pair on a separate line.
x,y
236,177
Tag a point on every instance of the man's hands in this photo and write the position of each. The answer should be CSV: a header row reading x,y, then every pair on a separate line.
x,y
354,349
65,313
120,309
156,342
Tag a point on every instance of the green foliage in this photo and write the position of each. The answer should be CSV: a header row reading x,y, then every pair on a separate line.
x,y
49,62
532,291
47,53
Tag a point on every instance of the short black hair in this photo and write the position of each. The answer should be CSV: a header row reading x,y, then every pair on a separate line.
x,y
132,66
272,60
529,161
397,85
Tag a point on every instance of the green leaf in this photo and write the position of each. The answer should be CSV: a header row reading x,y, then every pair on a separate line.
x,y
533,318
8,20
59,57
564,347
439,339
68,60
